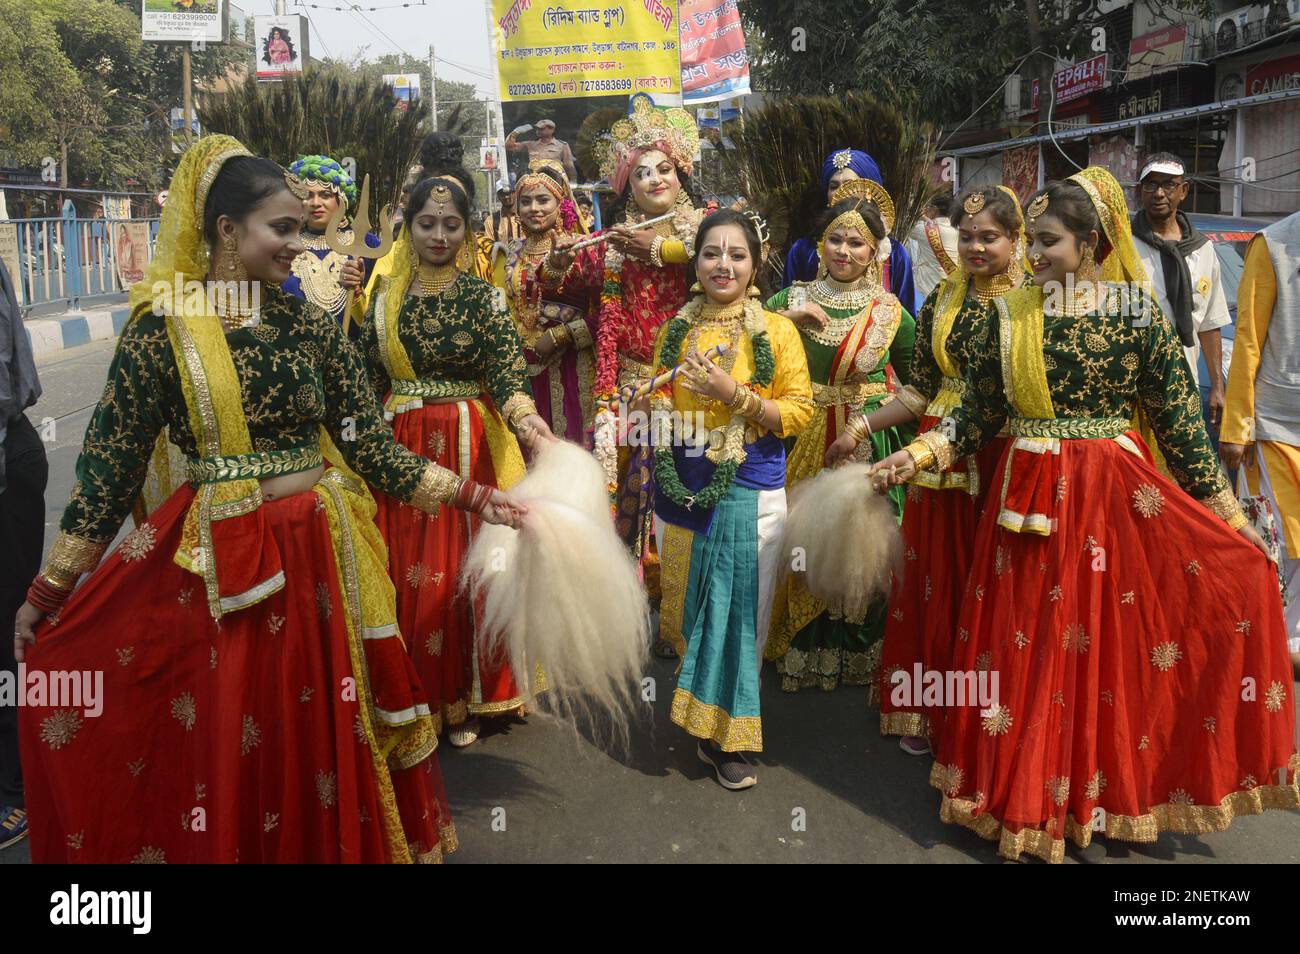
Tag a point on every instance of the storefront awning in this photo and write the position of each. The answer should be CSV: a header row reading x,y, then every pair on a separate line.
x,y
1081,132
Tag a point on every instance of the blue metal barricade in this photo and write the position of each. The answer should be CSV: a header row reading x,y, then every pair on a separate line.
x,y
66,259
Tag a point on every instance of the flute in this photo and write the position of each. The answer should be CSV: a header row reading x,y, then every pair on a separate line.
x,y
596,239
633,392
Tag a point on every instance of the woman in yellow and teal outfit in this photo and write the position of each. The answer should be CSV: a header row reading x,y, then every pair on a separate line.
x,y
724,507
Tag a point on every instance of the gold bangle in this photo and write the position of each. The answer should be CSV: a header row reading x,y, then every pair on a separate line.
x,y
857,428
940,447
921,454
561,335
517,407
70,557
752,409
1224,505
437,486
656,248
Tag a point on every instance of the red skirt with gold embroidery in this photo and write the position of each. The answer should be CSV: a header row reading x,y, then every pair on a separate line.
x,y
938,542
1143,682
238,741
425,553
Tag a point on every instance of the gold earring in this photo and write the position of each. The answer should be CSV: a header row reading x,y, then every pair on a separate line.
x,y
1087,270
235,270
697,289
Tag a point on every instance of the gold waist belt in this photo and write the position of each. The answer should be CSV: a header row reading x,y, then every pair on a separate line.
x,y
829,395
429,388
1070,428
212,470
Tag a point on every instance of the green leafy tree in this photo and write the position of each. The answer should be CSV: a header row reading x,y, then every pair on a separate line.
x,y
80,85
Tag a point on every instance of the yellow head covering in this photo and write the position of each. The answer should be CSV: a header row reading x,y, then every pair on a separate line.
x,y
1123,263
181,252
954,287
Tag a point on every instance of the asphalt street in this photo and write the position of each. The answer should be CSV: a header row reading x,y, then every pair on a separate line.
x,y
831,789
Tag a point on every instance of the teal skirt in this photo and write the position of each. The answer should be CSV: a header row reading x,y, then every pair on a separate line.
x,y
717,688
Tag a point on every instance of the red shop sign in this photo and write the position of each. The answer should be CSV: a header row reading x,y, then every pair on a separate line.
x,y
1273,77
1080,79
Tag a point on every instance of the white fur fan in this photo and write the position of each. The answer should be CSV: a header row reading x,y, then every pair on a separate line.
x,y
562,594
842,539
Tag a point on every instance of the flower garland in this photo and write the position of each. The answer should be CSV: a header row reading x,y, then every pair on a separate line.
x,y
667,478
611,291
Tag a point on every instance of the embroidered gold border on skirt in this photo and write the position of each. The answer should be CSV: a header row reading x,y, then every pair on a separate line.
x,y
1179,819
704,721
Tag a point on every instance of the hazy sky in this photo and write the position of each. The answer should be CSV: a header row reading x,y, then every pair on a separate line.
x,y
457,28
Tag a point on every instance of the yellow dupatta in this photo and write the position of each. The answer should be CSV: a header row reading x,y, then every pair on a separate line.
x,y
507,460
223,517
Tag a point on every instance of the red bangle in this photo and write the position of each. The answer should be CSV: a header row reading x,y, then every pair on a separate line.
x,y
45,596
473,496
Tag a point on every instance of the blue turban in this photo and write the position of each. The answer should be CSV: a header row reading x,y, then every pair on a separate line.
x,y
858,161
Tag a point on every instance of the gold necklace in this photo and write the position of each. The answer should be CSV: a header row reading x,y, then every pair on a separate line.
x,y
436,280
828,292
316,240
721,314
535,247
232,319
987,289
1080,302
730,318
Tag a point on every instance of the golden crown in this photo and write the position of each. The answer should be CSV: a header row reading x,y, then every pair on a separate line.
x,y
650,126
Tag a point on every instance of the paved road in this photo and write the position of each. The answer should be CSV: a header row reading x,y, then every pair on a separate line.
x,y
539,791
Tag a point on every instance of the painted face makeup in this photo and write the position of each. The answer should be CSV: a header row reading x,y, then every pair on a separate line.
x,y
724,267
654,181
538,209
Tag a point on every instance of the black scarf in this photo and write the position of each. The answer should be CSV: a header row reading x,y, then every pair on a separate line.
x,y
1173,258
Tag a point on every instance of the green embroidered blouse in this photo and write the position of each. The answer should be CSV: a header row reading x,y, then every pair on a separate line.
x,y
1099,365
462,334
926,376
296,371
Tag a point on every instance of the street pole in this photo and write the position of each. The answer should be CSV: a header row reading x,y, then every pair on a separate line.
x,y
496,83
187,90
433,91
281,7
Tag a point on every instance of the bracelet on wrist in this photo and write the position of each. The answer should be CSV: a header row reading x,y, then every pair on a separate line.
x,y
46,595
656,252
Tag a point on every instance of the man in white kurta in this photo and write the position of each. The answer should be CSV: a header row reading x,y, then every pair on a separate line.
x,y
1163,187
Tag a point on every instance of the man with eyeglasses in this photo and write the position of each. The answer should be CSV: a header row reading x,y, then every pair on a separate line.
x,y
1185,276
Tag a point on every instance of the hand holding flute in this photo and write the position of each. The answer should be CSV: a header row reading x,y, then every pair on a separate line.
x,y
630,393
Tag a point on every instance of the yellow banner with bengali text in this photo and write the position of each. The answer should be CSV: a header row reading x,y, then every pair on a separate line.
x,y
547,50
